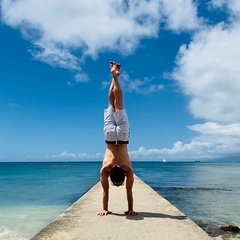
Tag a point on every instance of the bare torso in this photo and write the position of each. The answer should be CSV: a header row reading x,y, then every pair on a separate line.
x,y
116,155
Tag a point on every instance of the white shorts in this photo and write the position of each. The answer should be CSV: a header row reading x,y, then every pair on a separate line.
x,y
116,126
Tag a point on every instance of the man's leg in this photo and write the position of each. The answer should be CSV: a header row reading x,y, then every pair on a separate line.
x,y
115,87
111,97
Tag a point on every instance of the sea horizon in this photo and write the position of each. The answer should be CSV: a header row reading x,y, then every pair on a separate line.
x,y
205,186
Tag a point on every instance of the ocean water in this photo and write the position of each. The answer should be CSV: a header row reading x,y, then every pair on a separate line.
x,y
208,193
34,194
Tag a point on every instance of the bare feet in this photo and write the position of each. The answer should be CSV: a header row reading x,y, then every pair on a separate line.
x,y
115,69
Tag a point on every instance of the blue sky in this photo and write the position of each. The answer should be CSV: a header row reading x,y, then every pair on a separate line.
x,y
180,76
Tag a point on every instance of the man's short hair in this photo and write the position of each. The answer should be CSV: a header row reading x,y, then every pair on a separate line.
x,y
117,175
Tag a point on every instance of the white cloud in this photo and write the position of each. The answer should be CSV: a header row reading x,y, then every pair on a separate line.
x,y
224,138
59,29
181,15
211,128
208,71
232,5
179,151
64,33
81,77
203,147
214,141
217,3
144,86
74,156
141,86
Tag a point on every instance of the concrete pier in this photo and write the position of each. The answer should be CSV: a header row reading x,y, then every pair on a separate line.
x,y
157,218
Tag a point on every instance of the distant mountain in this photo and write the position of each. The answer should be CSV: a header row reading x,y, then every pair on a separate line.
x,y
228,159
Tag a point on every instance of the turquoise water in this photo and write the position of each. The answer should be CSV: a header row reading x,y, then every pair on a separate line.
x,y
33,194
209,193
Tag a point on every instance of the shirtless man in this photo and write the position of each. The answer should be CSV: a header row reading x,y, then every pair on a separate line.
x,y
116,162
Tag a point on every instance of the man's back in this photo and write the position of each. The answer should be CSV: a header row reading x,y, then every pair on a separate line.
x,y
116,154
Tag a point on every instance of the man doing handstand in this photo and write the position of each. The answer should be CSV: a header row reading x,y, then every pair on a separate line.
x,y
116,162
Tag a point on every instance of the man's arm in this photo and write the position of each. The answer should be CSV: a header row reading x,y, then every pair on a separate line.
x,y
105,186
129,185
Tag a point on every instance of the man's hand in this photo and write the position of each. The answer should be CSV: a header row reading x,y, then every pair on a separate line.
x,y
104,213
131,213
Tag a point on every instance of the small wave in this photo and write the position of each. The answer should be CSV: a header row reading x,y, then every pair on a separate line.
x,y
192,188
6,234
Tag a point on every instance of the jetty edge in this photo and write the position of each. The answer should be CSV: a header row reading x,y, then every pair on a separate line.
x,y
157,219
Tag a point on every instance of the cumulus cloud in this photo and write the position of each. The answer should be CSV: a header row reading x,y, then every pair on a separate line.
x,y
176,20
224,138
179,151
212,128
64,33
232,5
74,156
214,141
207,71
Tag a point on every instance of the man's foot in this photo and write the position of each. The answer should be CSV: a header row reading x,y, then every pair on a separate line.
x,y
115,68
